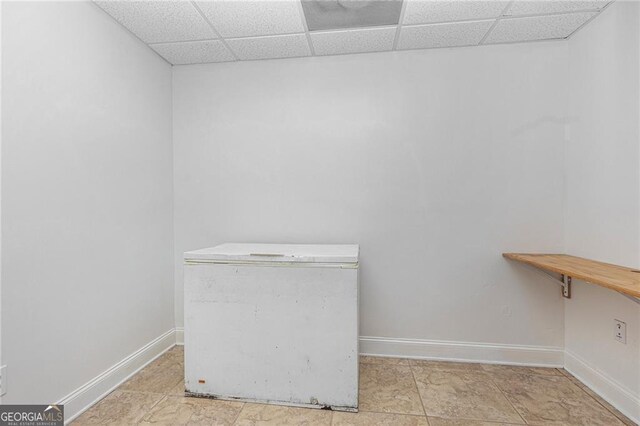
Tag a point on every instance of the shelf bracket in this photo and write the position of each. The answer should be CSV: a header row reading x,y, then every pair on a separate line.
x,y
563,281
566,286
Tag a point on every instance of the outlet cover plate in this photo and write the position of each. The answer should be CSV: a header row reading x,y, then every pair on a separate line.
x,y
620,330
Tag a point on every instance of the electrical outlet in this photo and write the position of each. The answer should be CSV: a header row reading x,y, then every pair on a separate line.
x,y
621,331
3,380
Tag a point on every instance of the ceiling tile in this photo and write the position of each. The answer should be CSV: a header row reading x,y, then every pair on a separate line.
x,y
537,27
443,35
353,41
284,46
160,21
194,52
431,11
526,7
247,18
339,14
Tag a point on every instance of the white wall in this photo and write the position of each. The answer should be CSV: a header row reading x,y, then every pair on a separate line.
x,y
1,193
87,197
435,161
603,198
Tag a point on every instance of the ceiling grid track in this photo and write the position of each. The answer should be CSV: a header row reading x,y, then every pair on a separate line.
x,y
399,29
219,37
306,29
192,32
589,21
506,9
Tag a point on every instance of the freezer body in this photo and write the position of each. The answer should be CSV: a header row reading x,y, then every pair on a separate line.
x,y
280,331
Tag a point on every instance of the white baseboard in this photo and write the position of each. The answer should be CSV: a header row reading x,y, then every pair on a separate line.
x,y
490,353
180,336
608,389
84,397
91,392
540,356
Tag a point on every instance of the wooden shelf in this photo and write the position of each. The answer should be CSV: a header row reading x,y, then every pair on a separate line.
x,y
619,278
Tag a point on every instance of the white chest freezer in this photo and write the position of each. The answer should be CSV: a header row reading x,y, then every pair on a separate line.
x,y
273,323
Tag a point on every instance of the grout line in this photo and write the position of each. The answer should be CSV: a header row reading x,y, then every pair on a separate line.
x,y
415,382
235,420
303,17
387,412
400,24
224,42
495,23
153,406
572,379
489,377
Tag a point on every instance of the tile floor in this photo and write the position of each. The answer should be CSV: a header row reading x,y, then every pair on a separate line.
x,y
393,391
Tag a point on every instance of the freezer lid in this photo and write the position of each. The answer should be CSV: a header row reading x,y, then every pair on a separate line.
x,y
286,253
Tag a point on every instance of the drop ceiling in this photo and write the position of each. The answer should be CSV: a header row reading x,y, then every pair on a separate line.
x,y
192,32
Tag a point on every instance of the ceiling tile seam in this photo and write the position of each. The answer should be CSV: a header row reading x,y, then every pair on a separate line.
x,y
303,17
374,52
307,33
547,40
443,24
351,29
538,40
589,20
155,43
504,16
262,37
232,38
489,31
495,24
277,58
440,47
544,15
221,39
130,32
458,21
396,37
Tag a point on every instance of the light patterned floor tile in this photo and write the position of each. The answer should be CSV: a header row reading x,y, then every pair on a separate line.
x,y
463,395
518,370
388,389
156,378
177,390
436,421
466,367
176,410
173,358
377,419
553,400
119,408
367,359
462,391
277,415
624,419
